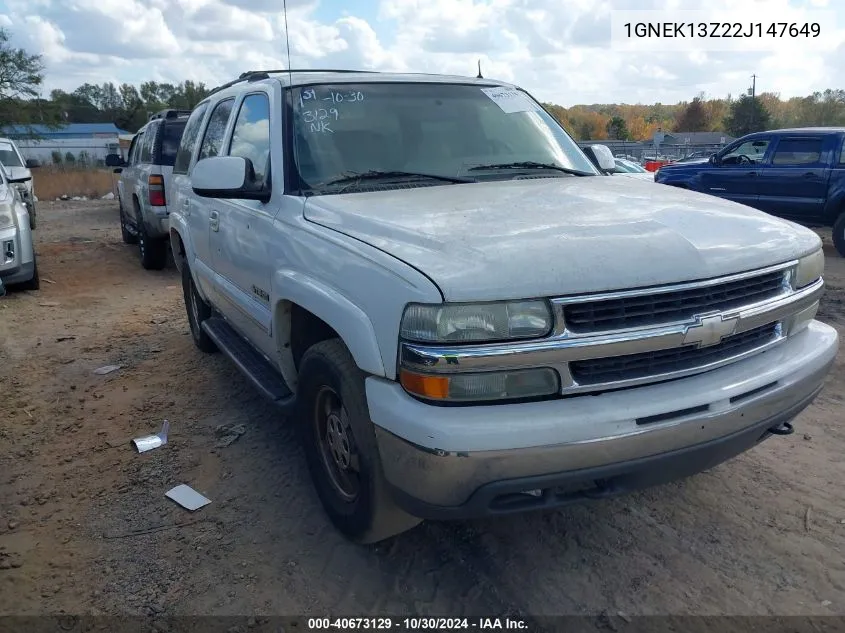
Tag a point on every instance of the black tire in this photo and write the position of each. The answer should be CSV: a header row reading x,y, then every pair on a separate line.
x,y
35,282
128,238
354,494
198,311
153,250
32,217
838,234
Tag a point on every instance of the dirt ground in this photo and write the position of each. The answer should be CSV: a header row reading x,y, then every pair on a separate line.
x,y
85,527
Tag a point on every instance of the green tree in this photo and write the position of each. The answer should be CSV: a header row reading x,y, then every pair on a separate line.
x,y
56,156
747,114
617,129
70,159
693,118
21,76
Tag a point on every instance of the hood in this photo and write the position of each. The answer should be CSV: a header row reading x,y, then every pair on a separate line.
x,y
558,236
648,176
18,173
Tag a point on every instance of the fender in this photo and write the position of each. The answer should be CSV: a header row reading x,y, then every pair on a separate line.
x,y
346,318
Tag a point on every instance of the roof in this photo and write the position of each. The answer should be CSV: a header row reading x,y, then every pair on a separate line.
x,y
69,129
806,130
305,77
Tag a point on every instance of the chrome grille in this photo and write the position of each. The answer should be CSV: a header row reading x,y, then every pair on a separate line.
x,y
674,305
670,361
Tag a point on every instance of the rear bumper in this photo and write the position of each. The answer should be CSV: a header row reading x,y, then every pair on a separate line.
x,y
723,413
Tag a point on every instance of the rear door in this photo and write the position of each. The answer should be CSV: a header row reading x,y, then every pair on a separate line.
x,y
793,180
124,183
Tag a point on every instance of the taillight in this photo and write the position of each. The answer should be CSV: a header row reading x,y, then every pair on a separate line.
x,y
156,185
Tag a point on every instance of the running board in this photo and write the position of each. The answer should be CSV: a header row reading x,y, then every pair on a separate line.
x,y
252,364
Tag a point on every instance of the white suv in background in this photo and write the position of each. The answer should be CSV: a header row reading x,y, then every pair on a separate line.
x,y
19,174
465,317
144,185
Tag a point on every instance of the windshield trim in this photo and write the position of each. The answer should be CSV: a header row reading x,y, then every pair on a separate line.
x,y
293,184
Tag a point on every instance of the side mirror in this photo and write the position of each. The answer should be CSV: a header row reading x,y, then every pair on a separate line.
x,y
714,159
229,177
32,163
604,157
114,160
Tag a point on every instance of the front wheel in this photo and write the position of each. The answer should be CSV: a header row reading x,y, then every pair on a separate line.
x,y
34,282
128,238
838,234
340,446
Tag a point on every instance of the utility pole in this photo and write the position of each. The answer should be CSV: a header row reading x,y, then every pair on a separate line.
x,y
753,98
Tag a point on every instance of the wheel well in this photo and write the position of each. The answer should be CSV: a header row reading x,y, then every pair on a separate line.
x,y
178,248
306,329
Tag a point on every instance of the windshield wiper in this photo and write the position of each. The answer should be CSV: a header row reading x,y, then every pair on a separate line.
x,y
530,164
375,174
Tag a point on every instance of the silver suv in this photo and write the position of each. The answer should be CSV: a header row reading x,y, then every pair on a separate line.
x,y
144,185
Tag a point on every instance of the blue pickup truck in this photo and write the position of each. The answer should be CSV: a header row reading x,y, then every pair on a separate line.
x,y
796,174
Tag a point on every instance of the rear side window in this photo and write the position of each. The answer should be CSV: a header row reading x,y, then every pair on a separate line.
x,y
798,151
171,134
216,130
145,154
135,147
842,155
189,139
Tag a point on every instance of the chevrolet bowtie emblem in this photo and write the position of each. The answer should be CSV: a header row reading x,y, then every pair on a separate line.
x,y
709,331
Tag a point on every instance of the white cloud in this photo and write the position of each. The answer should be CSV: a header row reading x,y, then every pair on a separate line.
x,y
559,51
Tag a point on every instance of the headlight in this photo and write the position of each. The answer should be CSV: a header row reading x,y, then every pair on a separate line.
x,y
7,218
467,323
809,269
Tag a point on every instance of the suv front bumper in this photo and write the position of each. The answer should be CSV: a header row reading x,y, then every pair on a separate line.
x,y
20,267
459,462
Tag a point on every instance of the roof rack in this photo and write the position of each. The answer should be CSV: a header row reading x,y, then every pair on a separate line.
x,y
170,113
258,75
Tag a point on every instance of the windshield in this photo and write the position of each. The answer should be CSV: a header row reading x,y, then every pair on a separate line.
x,y
8,156
435,130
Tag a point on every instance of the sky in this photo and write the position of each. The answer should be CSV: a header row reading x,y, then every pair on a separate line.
x,y
561,51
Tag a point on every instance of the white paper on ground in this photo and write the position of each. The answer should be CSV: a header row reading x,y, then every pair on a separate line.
x,y
510,100
149,442
187,497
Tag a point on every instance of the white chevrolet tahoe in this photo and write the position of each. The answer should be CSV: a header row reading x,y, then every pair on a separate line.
x,y
467,318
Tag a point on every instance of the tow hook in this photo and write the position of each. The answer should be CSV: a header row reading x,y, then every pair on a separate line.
x,y
785,428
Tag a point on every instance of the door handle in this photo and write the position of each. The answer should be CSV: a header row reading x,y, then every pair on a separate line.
x,y
751,173
810,174
214,220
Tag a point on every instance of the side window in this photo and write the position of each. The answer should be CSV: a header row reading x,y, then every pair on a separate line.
x,y
145,152
842,155
747,152
798,151
189,139
133,150
251,136
216,129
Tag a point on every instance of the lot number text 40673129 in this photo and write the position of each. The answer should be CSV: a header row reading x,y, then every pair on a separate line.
x,y
417,623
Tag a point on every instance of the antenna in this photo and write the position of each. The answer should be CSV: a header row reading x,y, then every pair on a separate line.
x,y
479,70
290,92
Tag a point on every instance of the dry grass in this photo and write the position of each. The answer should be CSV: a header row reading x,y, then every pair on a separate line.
x,y
51,182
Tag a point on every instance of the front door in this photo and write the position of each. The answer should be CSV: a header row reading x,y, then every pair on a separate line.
x,y
736,174
240,237
793,181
